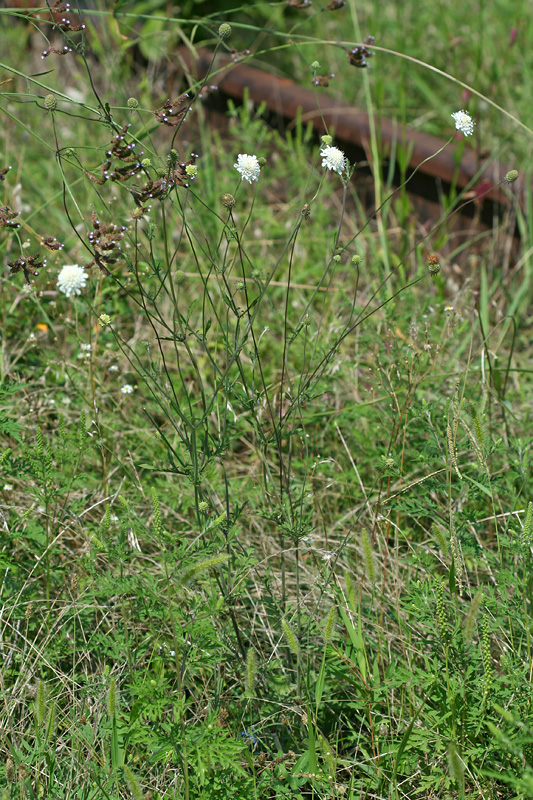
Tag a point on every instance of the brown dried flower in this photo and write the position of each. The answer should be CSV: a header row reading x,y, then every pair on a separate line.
x,y
173,114
358,56
7,217
30,266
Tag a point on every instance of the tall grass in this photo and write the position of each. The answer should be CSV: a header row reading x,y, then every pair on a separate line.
x,y
266,504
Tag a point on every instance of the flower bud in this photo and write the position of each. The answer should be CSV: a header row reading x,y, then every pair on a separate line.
x,y
262,161
327,140
179,276
146,162
228,200
50,103
202,506
315,65
133,102
433,265
356,260
224,30
511,176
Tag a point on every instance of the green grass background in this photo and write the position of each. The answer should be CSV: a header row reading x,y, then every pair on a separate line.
x,y
295,561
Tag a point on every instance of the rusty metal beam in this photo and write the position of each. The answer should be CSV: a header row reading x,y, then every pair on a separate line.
x,y
351,125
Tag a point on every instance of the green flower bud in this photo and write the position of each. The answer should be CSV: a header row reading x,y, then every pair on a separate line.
x,y
179,277
511,176
433,265
336,258
146,162
239,285
262,161
203,506
356,260
224,30
315,65
327,140
104,319
133,102
191,171
50,103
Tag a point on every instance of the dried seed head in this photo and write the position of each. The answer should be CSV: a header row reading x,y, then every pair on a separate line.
x,y
10,771
228,200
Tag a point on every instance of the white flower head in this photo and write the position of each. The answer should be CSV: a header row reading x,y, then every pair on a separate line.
x,y
248,167
333,158
464,122
71,279
127,389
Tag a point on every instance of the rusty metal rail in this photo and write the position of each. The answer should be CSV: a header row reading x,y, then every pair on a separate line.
x,y
436,170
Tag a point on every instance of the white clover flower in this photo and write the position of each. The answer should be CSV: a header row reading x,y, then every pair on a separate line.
x,y
464,122
127,389
71,279
333,158
248,167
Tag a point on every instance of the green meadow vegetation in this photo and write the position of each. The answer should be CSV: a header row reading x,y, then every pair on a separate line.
x,y
266,494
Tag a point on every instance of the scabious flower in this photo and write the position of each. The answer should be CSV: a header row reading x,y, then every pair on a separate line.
x,y
127,389
248,167
464,122
334,159
71,279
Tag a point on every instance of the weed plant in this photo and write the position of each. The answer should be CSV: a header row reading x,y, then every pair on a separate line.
x,y
267,499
